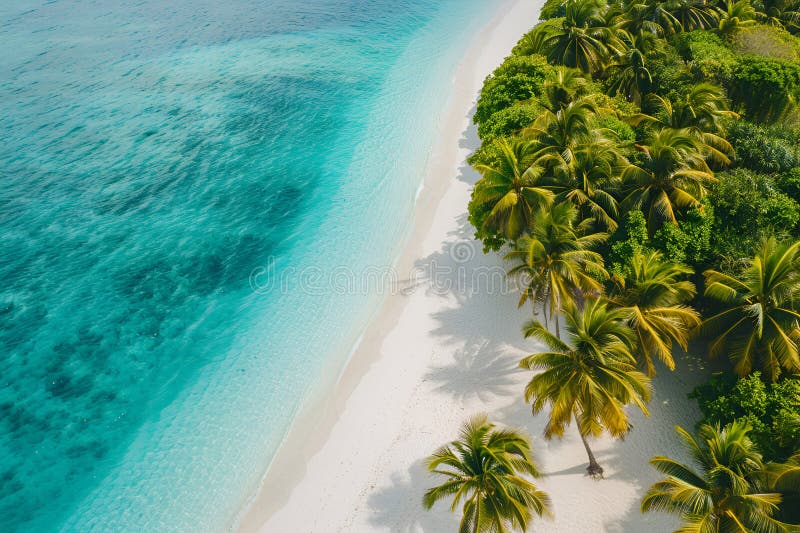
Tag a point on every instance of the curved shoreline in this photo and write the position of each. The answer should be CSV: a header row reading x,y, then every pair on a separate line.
x,y
311,431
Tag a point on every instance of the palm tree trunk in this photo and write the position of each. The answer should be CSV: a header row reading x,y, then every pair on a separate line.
x,y
594,469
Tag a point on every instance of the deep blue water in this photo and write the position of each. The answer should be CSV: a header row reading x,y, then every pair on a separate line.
x,y
154,155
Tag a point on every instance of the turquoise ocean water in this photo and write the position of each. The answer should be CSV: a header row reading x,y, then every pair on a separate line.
x,y
154,156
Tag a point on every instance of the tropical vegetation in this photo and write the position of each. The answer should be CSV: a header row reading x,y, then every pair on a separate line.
x,y
640,174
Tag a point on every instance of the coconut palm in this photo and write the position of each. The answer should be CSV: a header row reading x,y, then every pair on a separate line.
x,y
649,16
589,378
586,178
584,40
510,192
736,15
701,112
559,132
758,328
566,86
694,14
672,175
488,469
724,493
653,294
630,76
555,260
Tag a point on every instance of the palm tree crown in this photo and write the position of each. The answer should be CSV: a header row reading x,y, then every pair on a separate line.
x,y
725,494
590,377
672,175
486,468
653,293
555,260
758,327
510,190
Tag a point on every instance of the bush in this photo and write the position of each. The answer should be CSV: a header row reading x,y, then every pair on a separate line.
x,y
509,120
708,56
552,9
518,79
765,88
621,129
689,241
748,206
789,183
772,410
630,238
760,150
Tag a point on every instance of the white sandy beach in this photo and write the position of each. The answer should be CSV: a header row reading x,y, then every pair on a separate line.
x,y
445,349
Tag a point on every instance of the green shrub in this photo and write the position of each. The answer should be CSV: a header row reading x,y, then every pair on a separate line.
x,y
708,57
789,183
509,120
552,9
772,410
689,241
759,149
621,129
630,238
518,79
765,88
747,207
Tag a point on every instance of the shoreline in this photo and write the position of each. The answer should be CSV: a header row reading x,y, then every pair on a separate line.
x,y
439,351
311,430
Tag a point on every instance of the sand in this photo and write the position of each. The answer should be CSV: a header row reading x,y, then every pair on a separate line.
x,y
444,347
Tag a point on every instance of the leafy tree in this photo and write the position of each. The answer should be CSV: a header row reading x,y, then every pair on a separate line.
x,y
725,493
653,294
505,199
589,378
758,326
672,175
630,239
754,77
509,121
518,79
555,261
488,469
771,409
688,241
709,58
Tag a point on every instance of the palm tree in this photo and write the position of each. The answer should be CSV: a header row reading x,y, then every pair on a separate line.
x,y
486,468
653,294
725,493
701,112
586,178
510,191
555,260
630,76
558,132
737,14
758,326
694,14
584,40
649,16
566,86
589,378
672,175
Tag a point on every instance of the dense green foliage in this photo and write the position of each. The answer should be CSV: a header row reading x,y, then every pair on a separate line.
x,y
770,409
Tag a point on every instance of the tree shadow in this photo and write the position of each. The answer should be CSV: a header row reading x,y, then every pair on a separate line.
x,y
398,507
478,371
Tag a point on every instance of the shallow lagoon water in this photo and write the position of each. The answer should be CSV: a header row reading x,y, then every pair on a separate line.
x,y
159,161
